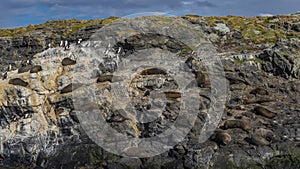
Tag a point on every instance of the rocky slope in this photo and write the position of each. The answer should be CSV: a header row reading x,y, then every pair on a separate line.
x,y
41,126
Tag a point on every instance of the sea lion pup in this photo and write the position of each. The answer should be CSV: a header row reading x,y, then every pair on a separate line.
x,y
70,87
262,137
202,79
221,137
36,69
172,95
259,91
24,69
18,81
264,112
153,71
108,78
104,78
68,61
242,124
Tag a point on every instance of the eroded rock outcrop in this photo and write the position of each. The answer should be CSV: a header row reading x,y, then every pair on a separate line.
x,y
40,124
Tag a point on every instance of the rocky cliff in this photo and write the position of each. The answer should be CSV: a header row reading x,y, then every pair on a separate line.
x,y
42,121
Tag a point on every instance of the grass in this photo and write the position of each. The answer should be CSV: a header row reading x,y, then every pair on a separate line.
x,y
66,26
269,32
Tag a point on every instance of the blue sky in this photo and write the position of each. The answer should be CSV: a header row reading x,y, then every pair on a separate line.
x,y
16,13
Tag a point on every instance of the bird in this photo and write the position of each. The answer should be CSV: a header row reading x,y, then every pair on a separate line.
x,y
79,41
107,49
66,44
119,50
9,67
61,43
4,76
49,45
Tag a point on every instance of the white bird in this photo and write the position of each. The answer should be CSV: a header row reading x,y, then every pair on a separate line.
x,y
9,67
49,45
27,62
4,76
119,50
79,41
61,43
107,49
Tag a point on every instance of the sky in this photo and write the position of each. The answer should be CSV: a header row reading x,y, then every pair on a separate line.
x,y
17,13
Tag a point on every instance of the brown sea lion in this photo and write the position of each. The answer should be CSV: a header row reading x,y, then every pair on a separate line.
x,y
242,124
262,137
153,71
173,95
221,137
69,88
264,112
18,81
68,61
104,78
259,91
24,69
36,69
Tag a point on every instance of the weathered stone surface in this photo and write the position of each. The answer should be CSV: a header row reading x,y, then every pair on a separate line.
x,y
41,128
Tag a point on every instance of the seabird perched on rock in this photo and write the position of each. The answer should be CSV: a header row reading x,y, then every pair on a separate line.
x,y
61,43
9,67
4,76
66,44
107,49
49,45
79,41
119,50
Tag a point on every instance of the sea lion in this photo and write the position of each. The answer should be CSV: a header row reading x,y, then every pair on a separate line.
x,y
69,88
262,137
104,78
108,78
68,61
24,69
264,112
242,124
202,79
221,137
18,81
153,71
36,69
259,91
172,95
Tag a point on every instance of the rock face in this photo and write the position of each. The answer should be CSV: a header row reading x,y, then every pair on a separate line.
x,y
41,125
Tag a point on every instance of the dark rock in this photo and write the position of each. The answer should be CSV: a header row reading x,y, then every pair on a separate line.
x,y
296,27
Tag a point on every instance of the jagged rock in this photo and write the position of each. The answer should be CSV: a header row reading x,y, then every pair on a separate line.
x,y
222,28
41,125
